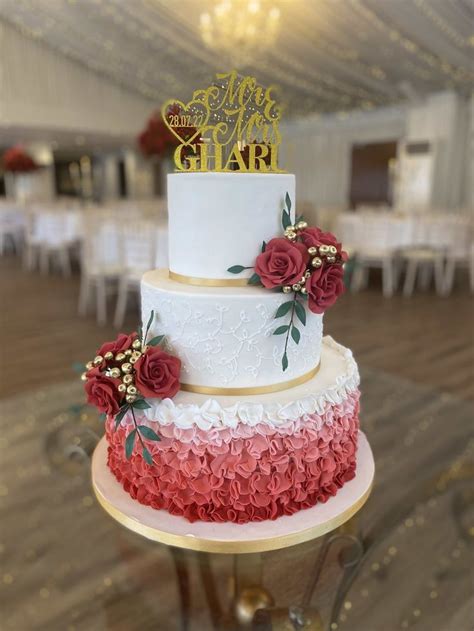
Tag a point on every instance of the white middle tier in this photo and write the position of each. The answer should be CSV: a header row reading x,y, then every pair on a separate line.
x,y
224,335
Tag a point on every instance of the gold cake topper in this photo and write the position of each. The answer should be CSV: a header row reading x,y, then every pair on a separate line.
x,y
232,125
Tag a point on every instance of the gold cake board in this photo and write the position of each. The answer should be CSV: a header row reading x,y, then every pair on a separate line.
x,y
230,538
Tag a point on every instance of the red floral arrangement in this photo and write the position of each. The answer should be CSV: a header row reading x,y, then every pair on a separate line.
x,y
127,371
306,262
157,139
16,160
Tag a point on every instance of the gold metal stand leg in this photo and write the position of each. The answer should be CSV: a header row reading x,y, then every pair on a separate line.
x,y
249,593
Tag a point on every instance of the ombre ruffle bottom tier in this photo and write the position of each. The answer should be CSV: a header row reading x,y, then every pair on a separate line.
x,y
241,474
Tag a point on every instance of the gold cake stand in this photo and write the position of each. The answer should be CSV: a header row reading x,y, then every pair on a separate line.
x,y
251,602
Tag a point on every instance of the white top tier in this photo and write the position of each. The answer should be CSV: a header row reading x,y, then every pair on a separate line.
x,y
217,220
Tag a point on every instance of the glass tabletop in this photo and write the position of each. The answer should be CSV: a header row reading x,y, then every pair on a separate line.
x,y
66,565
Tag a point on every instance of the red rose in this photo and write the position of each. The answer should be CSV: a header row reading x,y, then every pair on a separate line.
x,y
102,392
122,343
314,237
283,263
157,374
324,286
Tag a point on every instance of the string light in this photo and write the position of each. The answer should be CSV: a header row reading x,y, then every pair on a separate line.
x,y
240,31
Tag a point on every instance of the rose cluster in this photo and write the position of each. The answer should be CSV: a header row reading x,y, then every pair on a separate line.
x,y
126,370
306,260
16,160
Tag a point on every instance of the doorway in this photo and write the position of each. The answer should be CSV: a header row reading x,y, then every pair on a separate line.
x,y
371,173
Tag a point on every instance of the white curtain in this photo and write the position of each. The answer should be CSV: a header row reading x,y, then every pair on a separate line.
x,y
43,89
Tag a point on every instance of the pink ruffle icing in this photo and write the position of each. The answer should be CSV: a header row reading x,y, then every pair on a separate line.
x,y
242,474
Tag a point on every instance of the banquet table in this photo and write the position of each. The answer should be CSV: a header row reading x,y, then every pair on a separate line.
x,y
388,231
67,565
55,225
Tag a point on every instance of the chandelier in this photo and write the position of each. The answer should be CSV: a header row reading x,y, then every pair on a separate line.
x,y
240,29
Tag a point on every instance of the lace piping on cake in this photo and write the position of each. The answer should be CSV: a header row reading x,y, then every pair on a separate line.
x,y
212,415
221,344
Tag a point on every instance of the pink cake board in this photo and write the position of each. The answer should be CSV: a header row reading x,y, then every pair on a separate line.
x,y
231,538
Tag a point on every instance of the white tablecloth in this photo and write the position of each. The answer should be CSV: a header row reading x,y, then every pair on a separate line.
x,y
387,232
56,226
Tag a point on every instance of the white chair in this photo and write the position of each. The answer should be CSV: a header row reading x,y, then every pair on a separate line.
x,y
376,242
32,243
348,231
57,231
423,263
100,263
459,250
138,252
12,226
425,254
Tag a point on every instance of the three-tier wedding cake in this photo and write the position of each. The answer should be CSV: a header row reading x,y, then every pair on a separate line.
x,y
254,413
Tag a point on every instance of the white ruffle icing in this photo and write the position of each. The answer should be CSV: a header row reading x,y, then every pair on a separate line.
x,y
337,378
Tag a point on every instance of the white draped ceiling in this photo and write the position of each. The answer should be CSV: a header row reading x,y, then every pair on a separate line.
x,y
330,55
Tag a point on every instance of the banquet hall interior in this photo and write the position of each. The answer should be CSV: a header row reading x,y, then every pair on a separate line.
x,y
378,129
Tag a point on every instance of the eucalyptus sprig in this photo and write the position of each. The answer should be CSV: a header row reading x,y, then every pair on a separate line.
x,y
141,431
144,433
295,308
155,341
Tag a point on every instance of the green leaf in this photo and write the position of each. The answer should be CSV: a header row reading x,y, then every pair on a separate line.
x,y
120,414
264,246
147,456
140,404
148,433
129,443
283,309
102,416
236,269
149,323
254,280
281,329
150,320
284,361
155,341
301,313
295,334
285,220
288,202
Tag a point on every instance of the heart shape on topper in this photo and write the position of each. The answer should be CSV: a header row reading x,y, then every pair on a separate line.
x,y
199,109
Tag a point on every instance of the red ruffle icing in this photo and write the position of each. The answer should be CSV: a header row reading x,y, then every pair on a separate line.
x,y
245,479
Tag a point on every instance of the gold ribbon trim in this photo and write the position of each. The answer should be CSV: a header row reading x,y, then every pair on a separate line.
x,y
208,282
277,387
